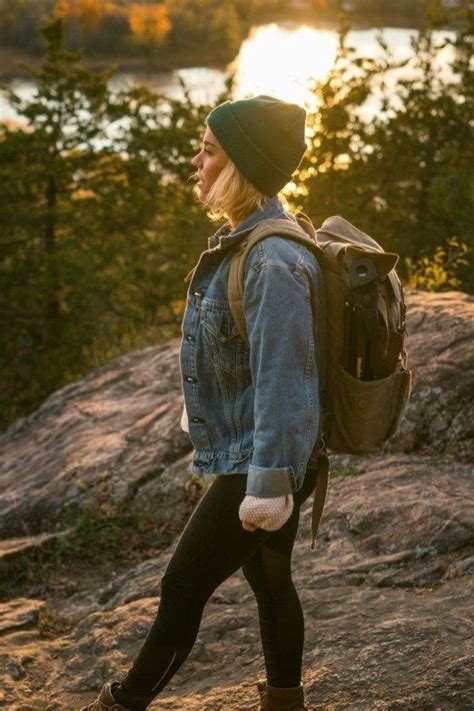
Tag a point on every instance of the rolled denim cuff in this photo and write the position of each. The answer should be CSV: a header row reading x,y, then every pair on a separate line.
x,y
267,482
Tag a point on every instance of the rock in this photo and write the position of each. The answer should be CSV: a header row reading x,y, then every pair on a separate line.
x,y
387,594
440,415
423,506
169,498
386,617
19,614
94,443
14,548
113,438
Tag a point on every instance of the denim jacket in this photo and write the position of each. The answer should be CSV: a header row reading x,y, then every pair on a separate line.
x,y
253,410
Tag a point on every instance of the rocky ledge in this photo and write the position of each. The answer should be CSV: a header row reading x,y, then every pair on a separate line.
x,y
387,593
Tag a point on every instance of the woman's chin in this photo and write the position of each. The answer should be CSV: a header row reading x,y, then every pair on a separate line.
x,y
198,191
202,193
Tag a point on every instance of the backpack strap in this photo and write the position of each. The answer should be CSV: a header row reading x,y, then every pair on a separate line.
x,y
298,232
304,233
321,463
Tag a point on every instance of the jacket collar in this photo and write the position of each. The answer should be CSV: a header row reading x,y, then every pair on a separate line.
x,y
225,237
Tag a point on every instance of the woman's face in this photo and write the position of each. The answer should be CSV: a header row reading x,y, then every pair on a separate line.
x,y
209,162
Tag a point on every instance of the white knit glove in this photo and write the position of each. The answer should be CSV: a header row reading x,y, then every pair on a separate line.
x,y
269,514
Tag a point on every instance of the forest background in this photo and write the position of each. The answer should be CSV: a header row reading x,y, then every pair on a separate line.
x,y
98,221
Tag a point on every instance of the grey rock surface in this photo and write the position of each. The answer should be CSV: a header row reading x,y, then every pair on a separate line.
x,y
95,442
387,593
113,437
440,415
387,598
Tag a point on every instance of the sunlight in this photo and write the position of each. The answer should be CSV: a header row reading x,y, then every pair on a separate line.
x,y
279,60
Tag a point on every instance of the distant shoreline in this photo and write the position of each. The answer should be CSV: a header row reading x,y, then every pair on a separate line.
x,y
10,57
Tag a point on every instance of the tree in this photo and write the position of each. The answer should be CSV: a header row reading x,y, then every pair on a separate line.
x,y
149,24
97,225
89,13
405,175
225,30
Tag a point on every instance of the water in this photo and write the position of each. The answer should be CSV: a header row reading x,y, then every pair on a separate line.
x,y
276,59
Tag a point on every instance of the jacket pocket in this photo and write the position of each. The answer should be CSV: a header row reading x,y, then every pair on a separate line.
x,y
223,345
219,323
365,414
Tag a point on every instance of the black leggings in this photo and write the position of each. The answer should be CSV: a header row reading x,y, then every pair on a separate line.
x,y
213,546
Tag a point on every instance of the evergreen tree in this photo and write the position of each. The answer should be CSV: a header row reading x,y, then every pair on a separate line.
x,y
98,225
406,174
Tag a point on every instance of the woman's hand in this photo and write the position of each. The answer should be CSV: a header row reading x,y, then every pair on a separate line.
x,y
269,514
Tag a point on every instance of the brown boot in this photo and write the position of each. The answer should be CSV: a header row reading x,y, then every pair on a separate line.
x,y
262,690
105,701
273,698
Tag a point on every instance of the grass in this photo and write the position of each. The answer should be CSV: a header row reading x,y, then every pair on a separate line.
x,y
100,543
347,472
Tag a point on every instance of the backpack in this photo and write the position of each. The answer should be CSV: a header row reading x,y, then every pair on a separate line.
x,y
365,383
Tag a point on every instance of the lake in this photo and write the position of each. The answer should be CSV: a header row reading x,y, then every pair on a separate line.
x,y
277,59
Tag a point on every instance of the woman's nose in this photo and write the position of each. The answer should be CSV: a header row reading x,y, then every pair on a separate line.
x,y
195,160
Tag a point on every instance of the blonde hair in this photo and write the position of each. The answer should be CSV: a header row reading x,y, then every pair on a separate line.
x,y
233,196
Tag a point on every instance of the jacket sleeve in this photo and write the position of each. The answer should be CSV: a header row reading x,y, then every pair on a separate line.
x,y
279,320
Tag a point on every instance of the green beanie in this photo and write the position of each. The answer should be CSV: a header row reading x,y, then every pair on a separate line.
x,y
263,136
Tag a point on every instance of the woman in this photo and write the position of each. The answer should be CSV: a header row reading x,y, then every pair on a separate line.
x,y
251,412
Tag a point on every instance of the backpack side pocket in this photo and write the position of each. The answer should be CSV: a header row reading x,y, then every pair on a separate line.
x,y
365,414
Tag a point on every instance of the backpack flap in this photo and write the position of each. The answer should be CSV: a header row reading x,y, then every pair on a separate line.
x,y
337,229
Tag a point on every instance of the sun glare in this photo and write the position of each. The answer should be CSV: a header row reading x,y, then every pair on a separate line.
x,y
280,61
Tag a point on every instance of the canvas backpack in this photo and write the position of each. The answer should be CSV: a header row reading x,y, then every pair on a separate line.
x,y
365,379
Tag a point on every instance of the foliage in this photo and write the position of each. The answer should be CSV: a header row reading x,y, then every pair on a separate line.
x,y
196,485
97,225
95,532
170,31
403,174
439,271
219,25
89,13
100,534
347,472
113,539
149,23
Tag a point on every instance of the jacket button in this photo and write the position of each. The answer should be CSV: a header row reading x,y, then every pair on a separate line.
x,y
199,463
189,337
197,419
198,293
190,379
